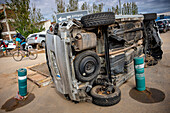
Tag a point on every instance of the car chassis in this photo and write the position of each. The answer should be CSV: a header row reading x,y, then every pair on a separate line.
x,y
91,58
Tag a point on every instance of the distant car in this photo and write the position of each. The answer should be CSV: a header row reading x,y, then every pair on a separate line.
x,y
37,38
162,25
167,21
11,45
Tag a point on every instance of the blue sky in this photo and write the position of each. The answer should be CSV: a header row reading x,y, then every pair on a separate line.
x,y
144,6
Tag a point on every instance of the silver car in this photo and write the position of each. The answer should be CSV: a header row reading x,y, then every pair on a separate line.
x,y
37,38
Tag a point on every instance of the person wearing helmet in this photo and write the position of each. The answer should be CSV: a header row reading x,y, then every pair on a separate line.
x,y
20,40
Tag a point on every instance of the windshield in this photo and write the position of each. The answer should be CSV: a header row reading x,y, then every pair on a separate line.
x,y
159,22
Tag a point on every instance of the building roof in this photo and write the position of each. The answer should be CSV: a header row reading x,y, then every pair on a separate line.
x,y
166,13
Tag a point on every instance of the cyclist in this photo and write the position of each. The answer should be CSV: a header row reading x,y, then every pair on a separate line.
x,y
4,45
20,40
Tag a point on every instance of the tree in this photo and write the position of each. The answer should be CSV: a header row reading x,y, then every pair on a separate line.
x,y
84,6
73,5
117,10
113,9
24,17
1,26
130,8
134,8
95,8
100,7
60,6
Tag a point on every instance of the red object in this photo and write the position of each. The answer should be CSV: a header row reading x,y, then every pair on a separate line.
x,y
35,38
13,44
19,97
3,43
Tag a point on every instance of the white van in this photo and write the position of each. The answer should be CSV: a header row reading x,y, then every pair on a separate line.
x,y
37,38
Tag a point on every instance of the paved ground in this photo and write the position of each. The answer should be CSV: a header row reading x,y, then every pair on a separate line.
x,y
47,100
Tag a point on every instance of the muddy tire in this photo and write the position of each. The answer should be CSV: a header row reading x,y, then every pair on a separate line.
x,y
105,99
150,16
87,66
98,19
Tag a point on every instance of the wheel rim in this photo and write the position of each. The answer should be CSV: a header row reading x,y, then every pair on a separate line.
x,y
88,66
103,91
17,56
32,54
43,44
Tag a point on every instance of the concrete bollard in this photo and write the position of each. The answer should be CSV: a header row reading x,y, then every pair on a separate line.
x,y
139,73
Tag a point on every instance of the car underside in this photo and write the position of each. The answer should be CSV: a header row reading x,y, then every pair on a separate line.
x,y
91,58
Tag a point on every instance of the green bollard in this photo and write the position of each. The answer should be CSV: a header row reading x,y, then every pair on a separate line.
x,y
139,73
22,81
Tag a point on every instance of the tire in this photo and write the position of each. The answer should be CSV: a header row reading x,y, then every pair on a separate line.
x,y
105,99
150,16
87,66
17,56
164,30
32,54
43,44
98,19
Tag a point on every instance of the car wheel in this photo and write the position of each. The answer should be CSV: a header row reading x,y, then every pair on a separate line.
x,y
87,66
102,97
150,16
43,44
98,19
164,30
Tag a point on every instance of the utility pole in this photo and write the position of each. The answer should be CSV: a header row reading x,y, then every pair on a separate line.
x,y
120,7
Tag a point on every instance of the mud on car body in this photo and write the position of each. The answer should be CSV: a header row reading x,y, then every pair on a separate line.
x,y
89,59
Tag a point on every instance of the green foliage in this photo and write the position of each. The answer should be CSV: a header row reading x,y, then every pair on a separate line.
x,y
117,10
73,5
25,18
1,26
134,8
84,6
60,6
130,8
97,8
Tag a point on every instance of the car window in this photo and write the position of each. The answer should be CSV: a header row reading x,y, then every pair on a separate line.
x,y
159,22
34,35
42,35
165,21
10,41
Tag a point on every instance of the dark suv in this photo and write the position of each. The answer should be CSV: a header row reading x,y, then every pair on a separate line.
x,y
163,25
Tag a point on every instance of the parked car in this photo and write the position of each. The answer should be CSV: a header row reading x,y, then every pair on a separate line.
x,y
37,38
168,23
89,59
11,45
163,25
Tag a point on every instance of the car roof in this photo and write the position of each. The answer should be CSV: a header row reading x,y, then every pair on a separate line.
x,y
42,33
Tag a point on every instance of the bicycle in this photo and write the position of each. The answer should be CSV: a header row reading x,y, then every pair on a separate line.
x,y
20,54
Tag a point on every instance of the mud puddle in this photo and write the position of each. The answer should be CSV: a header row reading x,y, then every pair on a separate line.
x,y
150,95
12,103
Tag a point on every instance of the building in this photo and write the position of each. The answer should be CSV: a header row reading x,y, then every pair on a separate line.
x,y
46,24
8,31
165,15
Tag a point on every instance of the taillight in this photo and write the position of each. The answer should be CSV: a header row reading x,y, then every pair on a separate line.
x,y
13,44
35,38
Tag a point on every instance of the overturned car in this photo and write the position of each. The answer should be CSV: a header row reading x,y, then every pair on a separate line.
x,y
89,59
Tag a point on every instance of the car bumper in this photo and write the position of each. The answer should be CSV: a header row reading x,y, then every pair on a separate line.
x,y
32,42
